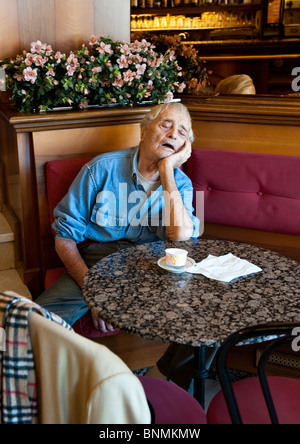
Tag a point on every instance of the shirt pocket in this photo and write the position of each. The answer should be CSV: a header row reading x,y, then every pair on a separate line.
x,y
107,218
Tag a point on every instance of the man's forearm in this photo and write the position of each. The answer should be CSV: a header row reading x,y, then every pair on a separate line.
x,y
179,225
71,258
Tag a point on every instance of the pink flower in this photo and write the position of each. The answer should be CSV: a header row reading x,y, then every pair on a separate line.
x,y
150,85
140,69
122,62
128,76
40,61
50,72
125,49
30,75
29,59
119,82
18,77
72,64
96,69
37,46
181,87
93,40
58,56
104,49
169,96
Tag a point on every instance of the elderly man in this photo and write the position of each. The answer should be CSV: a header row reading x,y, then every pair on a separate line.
x,y
122,198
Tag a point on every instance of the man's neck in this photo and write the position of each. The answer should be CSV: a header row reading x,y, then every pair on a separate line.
x,y
148,169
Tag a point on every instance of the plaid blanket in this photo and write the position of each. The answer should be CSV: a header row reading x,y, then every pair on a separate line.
x,y
18,387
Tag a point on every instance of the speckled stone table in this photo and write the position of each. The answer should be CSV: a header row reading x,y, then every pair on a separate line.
x,y
130,291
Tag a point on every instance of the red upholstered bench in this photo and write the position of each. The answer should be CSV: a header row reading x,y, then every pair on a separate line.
x,y
242,190
59,176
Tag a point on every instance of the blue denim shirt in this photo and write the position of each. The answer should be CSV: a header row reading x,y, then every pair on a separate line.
x,y
106,202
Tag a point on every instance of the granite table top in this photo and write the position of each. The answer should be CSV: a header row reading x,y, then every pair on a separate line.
x,y
130,291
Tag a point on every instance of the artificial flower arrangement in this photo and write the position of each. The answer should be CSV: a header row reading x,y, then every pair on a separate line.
x,y
103,72
194,72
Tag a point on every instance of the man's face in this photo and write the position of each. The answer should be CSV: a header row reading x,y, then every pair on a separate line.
x,y
166,134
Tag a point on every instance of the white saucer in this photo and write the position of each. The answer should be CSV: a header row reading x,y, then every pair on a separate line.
x,y
189,264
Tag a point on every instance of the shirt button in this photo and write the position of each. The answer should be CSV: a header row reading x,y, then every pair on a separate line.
x,y
259,193
208,188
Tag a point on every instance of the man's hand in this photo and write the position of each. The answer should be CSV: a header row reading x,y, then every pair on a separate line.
x,y
99,324
178,158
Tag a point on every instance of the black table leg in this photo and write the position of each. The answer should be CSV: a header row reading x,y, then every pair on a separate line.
x,y
203,359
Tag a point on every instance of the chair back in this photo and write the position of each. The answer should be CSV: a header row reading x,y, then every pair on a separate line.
x,y
280,333
82,382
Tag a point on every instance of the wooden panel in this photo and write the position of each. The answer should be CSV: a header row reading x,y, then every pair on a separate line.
x,y
64,24
112,17
77,22
71,142
226,136
9,29
36,22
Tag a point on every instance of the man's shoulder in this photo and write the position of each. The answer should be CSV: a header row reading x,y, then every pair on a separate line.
x,y
112,156
181,177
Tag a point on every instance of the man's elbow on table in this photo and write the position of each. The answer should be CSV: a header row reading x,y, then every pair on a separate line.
x,y
179,233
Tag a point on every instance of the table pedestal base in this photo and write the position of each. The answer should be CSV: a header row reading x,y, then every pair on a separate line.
x,y
203,358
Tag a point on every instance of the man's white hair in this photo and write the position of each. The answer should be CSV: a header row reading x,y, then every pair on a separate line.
x,y
156,110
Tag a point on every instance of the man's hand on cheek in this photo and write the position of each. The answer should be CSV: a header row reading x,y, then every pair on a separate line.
x,y
178,158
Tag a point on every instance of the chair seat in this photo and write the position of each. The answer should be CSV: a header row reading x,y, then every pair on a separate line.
x,y
286,397
172,404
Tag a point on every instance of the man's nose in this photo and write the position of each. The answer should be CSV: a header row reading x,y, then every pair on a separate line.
x,y
172,133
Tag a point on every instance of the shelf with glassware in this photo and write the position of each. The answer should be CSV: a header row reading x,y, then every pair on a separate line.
x,y
207,21
237,7
202,18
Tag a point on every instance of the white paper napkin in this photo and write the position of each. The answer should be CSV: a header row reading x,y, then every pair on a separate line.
x,y
224,268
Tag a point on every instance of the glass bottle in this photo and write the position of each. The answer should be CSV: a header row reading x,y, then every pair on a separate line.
x,y
134,4
157,4
177,3
164,3
149,3
142,3
195,2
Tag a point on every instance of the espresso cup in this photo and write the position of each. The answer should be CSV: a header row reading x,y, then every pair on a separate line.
x,y
176,257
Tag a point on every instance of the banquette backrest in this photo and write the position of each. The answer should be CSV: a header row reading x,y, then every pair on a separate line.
x,y
249,197
250,190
